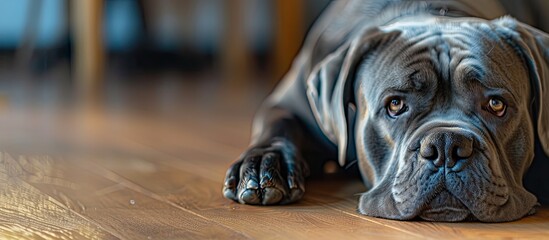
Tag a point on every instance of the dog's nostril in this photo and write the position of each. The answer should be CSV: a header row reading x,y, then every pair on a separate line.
x,y
428,151
463,151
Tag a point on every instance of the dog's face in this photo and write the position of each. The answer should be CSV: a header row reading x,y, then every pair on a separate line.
x,y
447,115
444,118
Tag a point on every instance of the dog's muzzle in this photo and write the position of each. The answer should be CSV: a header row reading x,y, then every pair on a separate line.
x,y
449,149
436,177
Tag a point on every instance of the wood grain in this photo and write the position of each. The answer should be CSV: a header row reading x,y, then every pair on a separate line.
x,y
204,198
27,213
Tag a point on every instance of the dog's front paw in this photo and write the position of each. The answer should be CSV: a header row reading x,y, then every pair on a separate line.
x,y
267,174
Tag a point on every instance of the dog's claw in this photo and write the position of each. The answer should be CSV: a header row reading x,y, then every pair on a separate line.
x,y
291,182
229,193
268,175
249,196
252,184
230,182
271,196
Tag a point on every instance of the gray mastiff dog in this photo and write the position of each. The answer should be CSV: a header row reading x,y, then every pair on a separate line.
x,y
443,104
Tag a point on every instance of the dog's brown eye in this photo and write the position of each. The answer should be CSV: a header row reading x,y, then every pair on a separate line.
x,y
395,107
497,107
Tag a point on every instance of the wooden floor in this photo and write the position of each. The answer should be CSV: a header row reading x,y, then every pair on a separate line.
x,y
150,163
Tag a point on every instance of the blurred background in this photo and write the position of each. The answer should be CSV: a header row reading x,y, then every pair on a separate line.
x,y
70,68
94,39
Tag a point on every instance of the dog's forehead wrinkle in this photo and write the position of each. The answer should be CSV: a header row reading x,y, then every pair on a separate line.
x,y
494,76
460,58
417,81
439,59
470,69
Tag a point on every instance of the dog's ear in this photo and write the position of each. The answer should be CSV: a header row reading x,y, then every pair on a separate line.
x,y
534,46
330,88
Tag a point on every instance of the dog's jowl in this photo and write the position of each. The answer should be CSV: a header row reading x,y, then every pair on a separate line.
x,y
443,105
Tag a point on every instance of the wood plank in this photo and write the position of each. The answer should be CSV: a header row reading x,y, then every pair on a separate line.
x,y
27,213
307,219
115,208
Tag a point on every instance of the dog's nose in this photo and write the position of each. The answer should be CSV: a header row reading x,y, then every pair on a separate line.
x,y
446,146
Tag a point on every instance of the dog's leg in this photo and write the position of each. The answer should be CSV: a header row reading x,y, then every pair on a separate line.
x,y
272,170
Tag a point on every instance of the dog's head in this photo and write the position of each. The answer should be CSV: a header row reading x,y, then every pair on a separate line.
x,y
444,115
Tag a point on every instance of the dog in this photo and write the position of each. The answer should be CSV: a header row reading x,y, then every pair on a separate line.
x,y
443,105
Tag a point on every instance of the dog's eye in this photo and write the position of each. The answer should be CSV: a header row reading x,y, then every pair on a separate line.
x,y
395,107
497,107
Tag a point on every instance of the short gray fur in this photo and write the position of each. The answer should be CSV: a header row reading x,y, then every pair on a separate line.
x,y
447,156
